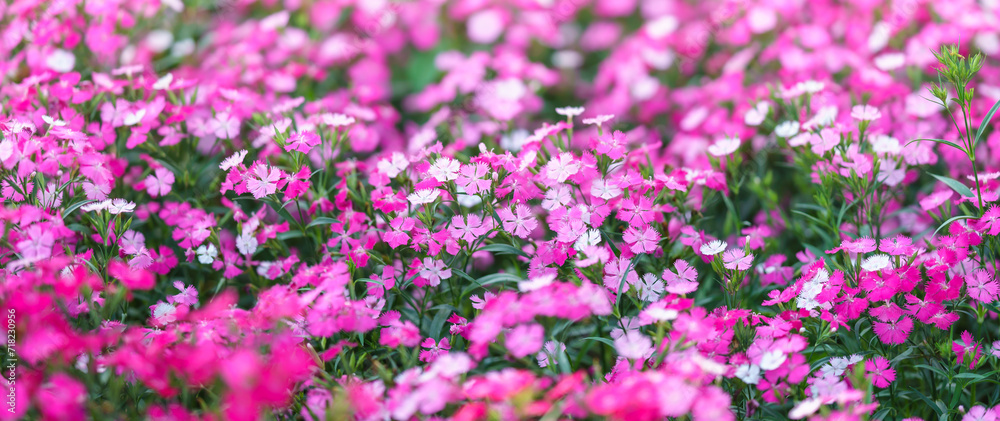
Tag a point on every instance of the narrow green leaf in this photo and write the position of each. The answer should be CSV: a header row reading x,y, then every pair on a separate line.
x,y
322,220
605,341
955,185
942,141
953,219
500,248
986,121
74,207
937,409
438,323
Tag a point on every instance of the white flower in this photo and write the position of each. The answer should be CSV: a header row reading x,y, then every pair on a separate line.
x,y
53,122
772,360
61,61
422,197
234,160
159,40
133,118
337,120
569,111
756,115
713,248
749,373
876,262
116,206
885,145
599,120
96,206
164,82
805,408
787,129
590,238
724,147
246,243
605,189
207,253
651,288
538,282
890,61
444,170
393,165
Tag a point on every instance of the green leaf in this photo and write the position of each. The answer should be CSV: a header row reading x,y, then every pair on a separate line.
x,y
953,219
289,235
498,277
438,323
322,220
935,406
462,274
941,141
500,248
986,121
955,185
605,341
75,206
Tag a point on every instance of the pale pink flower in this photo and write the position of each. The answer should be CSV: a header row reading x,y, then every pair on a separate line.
x,y
683,281
519,222
634,345
159,183
525,340
434,271
263,182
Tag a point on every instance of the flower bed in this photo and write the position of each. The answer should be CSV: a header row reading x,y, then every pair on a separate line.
x,y
500,210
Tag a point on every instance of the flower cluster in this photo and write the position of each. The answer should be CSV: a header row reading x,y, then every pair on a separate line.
x,y
505,209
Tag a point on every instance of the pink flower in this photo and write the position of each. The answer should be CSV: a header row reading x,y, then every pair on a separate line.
x,y
225,125
893,332
562,167
650,288
737,259
879,372
683,281
263,182
967,348
434,271
159,183
981,286
525,340
991,220
471,178
519,222
865,113
634,345
433,349
468,229
302,142
641,241
980,413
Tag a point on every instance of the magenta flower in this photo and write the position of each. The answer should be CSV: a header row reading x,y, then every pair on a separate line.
x,y
967,350
879,372
981,286
302,142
